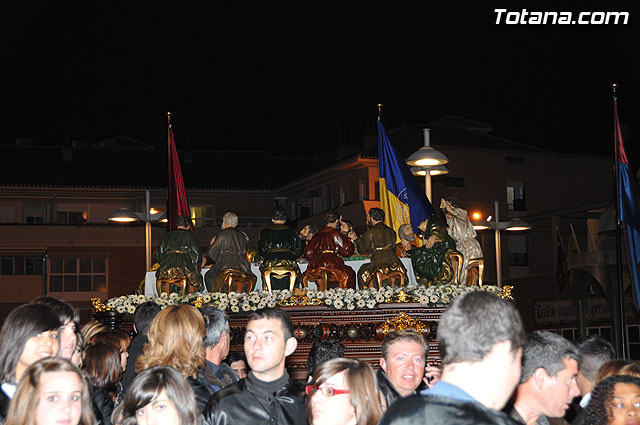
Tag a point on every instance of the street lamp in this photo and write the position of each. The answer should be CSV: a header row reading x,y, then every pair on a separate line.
x,y
427,172
427,158
515,225
123,215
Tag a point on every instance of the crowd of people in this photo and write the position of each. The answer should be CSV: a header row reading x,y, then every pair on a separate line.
x,y
178,369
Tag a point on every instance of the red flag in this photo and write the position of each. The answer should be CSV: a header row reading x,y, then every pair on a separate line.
x,y
178,204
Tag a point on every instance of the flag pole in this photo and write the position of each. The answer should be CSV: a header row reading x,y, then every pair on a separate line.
x,y
379,111
170,217
617,298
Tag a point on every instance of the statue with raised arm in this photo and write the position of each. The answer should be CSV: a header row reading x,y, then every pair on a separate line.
x,y
432,261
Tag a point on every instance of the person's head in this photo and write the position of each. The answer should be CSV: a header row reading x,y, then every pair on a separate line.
x,y
118,339
229,220
549,371
159,395
238,364
52,390
345,226
78,351
184,222
403,359
279,216
307,232
617,367
358,404
376,214
69,318
332,217
29,333
593,352
175,339
216,323
614,401
406,232
144,315
91,329
102,367
322,351
268,341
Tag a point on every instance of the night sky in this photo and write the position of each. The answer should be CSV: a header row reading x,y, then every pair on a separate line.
x,y
307,76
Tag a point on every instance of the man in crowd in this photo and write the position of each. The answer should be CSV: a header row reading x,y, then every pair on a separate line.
x,y
267,394
228,251
593,352
380,243
216,348
402,365
548,380
480,337
324,252
142,318
280,247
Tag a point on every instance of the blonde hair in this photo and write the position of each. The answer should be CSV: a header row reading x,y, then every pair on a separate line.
x,y
175,339
91,329
616,367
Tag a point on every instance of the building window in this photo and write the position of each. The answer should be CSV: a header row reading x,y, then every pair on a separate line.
x,y
203,216
7,265
35,214
377,194
518,252
604,332
515,196
363,190
78,274
8,215
518,259
633,338
454,181
33,266
344,196
71,217
569,333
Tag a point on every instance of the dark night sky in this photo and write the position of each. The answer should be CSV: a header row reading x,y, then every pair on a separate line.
x,y
308,75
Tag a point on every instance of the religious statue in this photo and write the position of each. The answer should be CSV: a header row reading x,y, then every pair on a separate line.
x,y
408,240
307,232
432,261
462,231
380,243
280,247
231,267
180,258
324,252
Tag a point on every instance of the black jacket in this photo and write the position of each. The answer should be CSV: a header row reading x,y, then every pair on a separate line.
x,y
246,402
102,405
386,388
436,410
135,350
201,389
4,406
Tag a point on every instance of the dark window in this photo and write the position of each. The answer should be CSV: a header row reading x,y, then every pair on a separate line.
x,y
33,266
71,217
516,196
7,266
518,259
78,274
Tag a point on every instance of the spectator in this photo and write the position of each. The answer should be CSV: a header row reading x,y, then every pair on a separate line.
x,y
617,367
480,340
614,401
593,352
267,394
216,348
70,319
103,370
343,392
118,339
53,391
548,381
238,364
159,396
142,318
91,329
29,333
322,351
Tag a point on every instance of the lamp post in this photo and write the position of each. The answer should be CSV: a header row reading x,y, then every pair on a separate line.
x,y
123,215
515,225
427,158
427,172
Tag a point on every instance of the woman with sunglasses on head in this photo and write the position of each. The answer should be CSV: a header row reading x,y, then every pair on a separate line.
x,y
29,333
343,392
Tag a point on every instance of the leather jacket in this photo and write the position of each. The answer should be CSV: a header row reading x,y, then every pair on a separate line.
x,y
247,402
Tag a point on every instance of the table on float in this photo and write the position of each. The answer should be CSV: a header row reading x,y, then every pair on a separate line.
x,y
150,278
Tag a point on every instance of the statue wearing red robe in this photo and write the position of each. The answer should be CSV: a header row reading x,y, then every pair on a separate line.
x,y
325,251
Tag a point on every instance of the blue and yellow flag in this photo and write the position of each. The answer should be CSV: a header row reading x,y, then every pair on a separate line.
x,y
401,198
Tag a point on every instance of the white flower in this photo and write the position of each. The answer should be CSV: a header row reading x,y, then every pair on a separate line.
x,y
286,294
271,304
120,309
246,307
173,296
337,304
328,301
262,304
434,298
255,298
164,295
350,306
371,304
253,308
111,304
235,308
206,299
423,299
379,298
131,310
388,294
320,295
360,303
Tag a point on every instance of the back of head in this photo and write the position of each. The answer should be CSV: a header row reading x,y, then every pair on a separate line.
x,y
323,351
91,329
474,323
117,338
184,221
175,339
599,409
230,219
63,309
215,322
22,323
409,335
279,215
274,313
593,352
150,383
144,315
362,385
376,214
546,350
22,409
102,366
331,216
616,367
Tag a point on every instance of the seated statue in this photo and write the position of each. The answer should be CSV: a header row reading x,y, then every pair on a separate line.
x,y
408,240
229,254
307,232
462,231
324,252
180,257
380,243
432,261
280,247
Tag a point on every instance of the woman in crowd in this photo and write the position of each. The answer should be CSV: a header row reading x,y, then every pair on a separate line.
x,y
69,318
29,333
175,339
120,340
52,391
104,372
616,367
238,364
91,329
343,392
78,352
161,396
614,401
